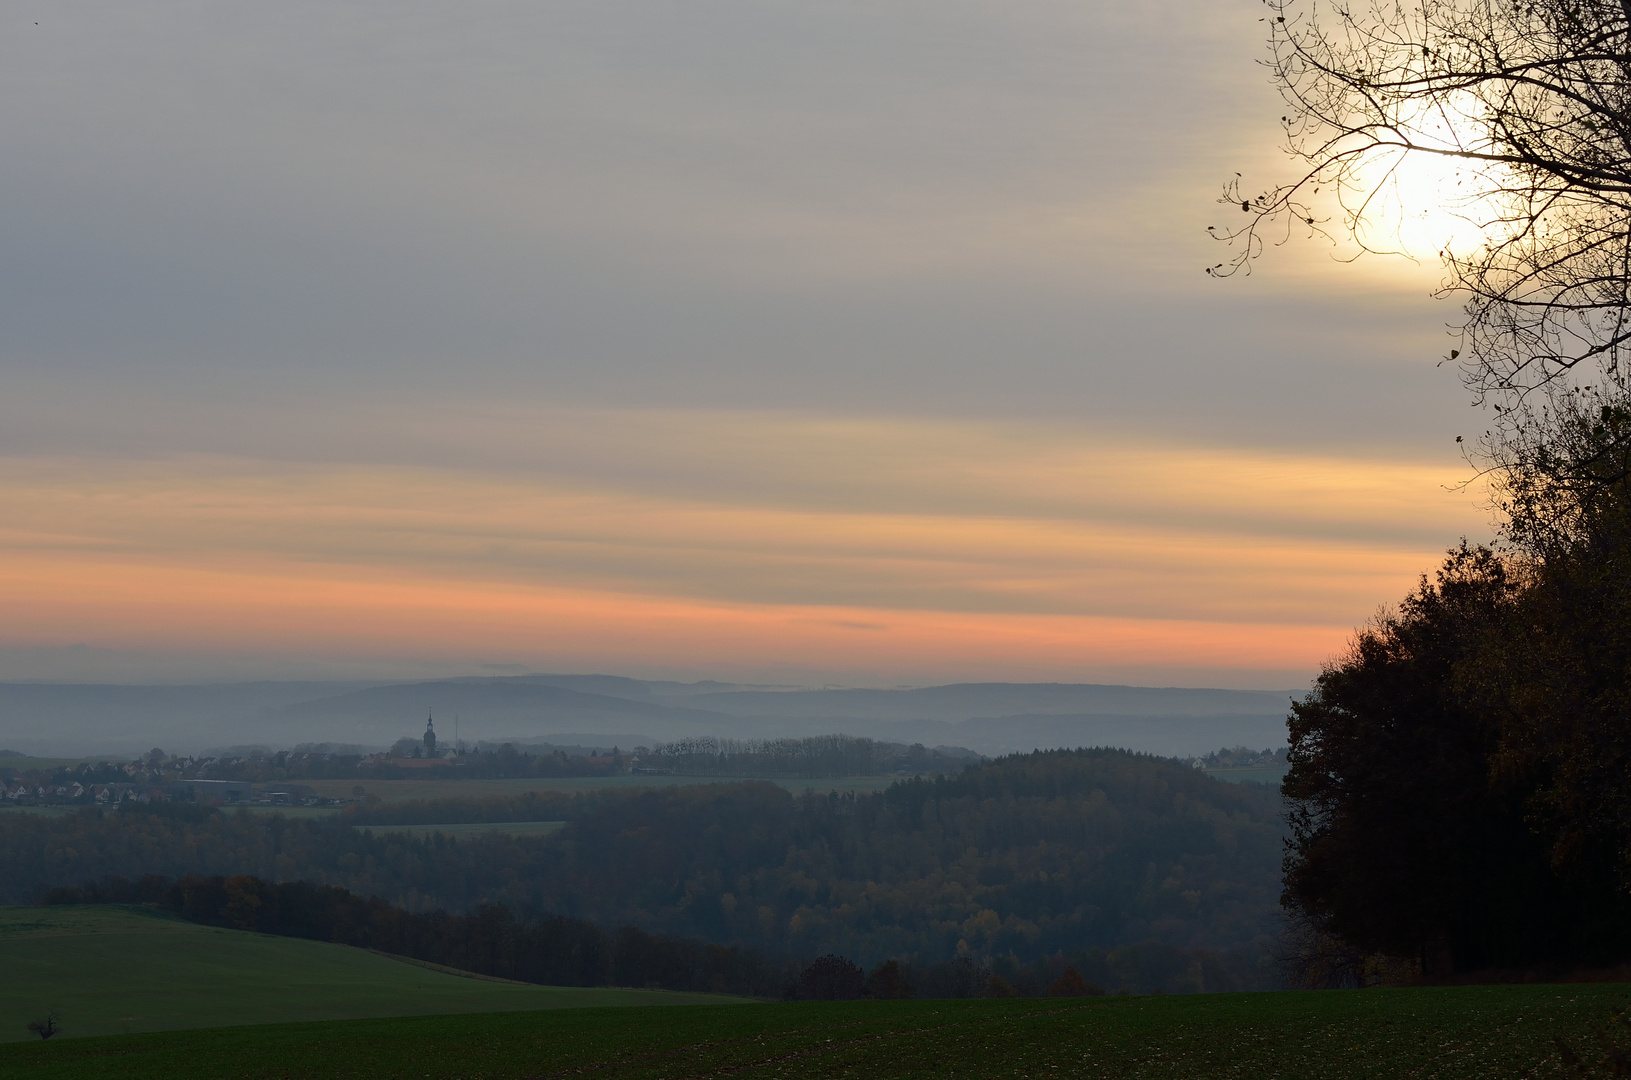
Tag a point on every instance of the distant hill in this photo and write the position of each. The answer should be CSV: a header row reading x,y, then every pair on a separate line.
x,y
968,701
70,719
492,708
992,718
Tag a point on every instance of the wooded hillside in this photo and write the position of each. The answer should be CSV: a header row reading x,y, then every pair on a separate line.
x,y
1030,855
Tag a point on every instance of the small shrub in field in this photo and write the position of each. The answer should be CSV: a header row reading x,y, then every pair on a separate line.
x,y
45,1028
886,983
1071,984
831,978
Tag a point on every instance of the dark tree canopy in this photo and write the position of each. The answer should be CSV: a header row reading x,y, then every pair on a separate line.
x,y
1450,801
831,978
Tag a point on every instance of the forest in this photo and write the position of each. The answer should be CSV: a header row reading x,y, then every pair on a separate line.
x,y
1007,863
1458,779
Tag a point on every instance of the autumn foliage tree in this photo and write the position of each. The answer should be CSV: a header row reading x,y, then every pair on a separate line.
x,y
1458,782
1403,842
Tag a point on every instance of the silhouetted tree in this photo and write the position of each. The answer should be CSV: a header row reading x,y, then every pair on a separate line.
x,y
831,978
1558,679
1409,836
1071,984
887,983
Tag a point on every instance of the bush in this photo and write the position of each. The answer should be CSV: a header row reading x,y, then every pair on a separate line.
x,y
1071,984
886,983
831,978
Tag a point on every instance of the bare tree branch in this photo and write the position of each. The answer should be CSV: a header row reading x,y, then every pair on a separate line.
x,y
1532,99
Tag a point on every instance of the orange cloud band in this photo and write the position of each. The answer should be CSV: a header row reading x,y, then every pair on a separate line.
x,y
857,551
313,611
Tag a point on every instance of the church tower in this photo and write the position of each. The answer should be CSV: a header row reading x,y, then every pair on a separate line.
x,y
430,736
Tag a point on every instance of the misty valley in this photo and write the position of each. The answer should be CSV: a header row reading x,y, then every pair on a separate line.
x,y
1078,606
1139,873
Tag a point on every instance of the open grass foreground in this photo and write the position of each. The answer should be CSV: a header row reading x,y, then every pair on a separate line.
x,y
106,970
1507,1031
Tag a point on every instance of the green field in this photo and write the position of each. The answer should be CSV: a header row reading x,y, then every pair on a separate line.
x,y
1463,1032
394,791
116,969
44,811
508,828
1267,774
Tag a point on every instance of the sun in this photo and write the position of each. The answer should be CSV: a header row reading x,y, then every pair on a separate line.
x,y
1426,206
1425,201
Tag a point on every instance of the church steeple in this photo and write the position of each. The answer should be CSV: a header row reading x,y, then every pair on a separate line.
x,y
430,736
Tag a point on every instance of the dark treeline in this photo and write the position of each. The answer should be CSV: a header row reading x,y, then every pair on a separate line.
x,y
560,951
497,809
554,951
1461,779
1068,853
165,773
1240,757
817,756
501,761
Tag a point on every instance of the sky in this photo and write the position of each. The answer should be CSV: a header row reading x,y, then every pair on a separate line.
x,y
838,344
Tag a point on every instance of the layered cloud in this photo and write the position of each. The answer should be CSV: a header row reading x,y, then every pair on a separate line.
x,y
770,543
861,342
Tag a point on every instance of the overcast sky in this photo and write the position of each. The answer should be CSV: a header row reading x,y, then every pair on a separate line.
x,y
836,343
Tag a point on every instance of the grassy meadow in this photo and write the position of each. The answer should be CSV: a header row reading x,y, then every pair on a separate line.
x,y
1265,774
1442,1032
105,970
43,811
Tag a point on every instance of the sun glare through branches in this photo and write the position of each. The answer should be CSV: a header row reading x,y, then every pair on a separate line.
x,y
1495,134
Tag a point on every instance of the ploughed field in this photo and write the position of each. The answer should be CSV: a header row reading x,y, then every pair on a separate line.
x,y
105,969
1482,1032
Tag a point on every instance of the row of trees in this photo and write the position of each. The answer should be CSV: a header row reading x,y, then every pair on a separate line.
x,y
159,770
815,756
